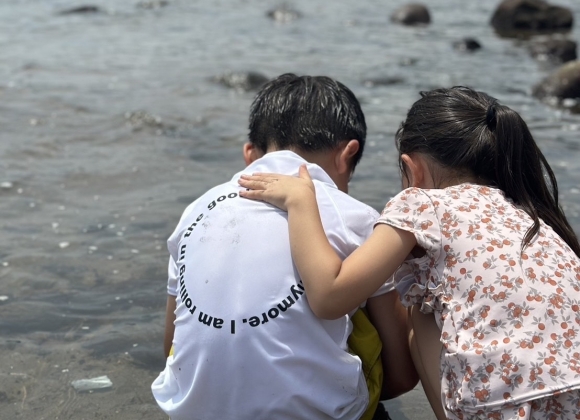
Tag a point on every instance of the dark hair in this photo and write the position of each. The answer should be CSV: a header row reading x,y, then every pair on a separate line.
x,y
470,133
306,113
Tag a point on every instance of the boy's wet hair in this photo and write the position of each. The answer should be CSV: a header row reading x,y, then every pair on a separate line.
x,y
306,113
470,133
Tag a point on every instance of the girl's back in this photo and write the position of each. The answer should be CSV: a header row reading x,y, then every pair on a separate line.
x,y
505,313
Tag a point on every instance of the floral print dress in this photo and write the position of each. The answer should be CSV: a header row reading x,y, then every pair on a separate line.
x,y
509,318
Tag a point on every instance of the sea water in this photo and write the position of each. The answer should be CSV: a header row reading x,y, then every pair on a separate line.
x,y
111,123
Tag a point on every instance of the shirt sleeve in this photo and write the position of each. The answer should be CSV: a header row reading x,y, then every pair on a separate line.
x,y
172,277
172,247
417,280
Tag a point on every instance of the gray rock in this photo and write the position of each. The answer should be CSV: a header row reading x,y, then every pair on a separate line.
x,y
383,81
521,17
412,14
152,4
554,50
80,10
245,81
564,83
467,45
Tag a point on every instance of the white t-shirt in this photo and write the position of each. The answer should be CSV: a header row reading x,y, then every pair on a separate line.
x,y
246,344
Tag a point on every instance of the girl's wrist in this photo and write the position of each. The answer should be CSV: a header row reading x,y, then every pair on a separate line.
x,y
301,201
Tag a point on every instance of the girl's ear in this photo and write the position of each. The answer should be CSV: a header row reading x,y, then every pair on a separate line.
x,y
415,169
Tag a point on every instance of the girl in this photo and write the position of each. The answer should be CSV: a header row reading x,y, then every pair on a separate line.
x,y
477,237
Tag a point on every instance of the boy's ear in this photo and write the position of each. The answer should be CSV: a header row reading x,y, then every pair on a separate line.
x,y
251,153
343,159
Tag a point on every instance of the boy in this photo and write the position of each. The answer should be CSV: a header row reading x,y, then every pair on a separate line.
x,y
245,342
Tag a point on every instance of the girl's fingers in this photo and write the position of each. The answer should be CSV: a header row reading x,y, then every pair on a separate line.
x,y
252,194
260,177
254,184
303,173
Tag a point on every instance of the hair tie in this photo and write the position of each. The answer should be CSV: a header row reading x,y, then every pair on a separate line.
x,y
490,118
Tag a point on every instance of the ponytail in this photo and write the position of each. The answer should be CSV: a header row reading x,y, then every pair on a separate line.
x,y
469,132
525,176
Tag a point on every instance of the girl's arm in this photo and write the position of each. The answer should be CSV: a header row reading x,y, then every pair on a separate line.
x,y
334,287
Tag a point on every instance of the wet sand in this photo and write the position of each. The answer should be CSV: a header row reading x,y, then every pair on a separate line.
x,y
40,388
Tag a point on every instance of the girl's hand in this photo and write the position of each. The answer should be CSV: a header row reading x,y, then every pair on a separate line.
x,y
281,191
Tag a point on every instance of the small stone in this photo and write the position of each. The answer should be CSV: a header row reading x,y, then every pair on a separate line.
x,y
411,15
80,10
467,45
152,4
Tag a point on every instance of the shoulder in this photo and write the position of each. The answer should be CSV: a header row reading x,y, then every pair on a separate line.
x,y
413,199
345,219
332,200
199,207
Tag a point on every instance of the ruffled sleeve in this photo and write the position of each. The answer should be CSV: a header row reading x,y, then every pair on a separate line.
x,y
418,280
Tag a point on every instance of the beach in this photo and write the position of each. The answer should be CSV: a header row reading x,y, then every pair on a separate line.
x,y
114,120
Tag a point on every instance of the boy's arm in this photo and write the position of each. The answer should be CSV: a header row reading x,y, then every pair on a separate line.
x,y
169,324
390,319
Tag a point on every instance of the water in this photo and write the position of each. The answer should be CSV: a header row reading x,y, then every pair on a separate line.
x,y
111,125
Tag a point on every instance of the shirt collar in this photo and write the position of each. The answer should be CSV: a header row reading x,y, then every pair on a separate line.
x,y
285,162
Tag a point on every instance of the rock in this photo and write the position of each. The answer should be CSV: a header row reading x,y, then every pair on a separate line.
x,y
152,4
554,50
283,14
140,119
245,81
516,17
81,10
564,83
467,45
412,14
383,81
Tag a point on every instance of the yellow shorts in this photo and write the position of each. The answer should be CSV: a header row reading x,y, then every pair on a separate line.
x,y
364,341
